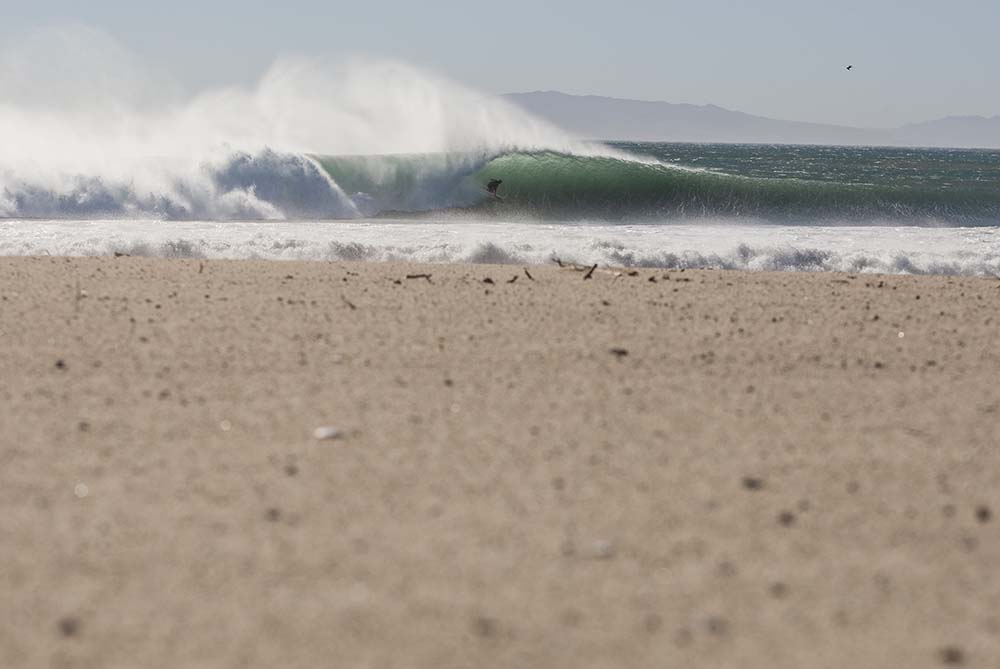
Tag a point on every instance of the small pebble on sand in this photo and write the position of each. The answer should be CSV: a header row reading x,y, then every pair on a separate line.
x,y
952,656
326,432
69,626
602,550
717,626
484,626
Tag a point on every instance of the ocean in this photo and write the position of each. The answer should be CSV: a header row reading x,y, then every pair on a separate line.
x,y
810,208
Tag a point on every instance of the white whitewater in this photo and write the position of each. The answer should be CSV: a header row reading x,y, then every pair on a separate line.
x,y
87,130
904,250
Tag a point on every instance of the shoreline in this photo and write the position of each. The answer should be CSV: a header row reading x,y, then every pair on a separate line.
x,y
676,467
717,246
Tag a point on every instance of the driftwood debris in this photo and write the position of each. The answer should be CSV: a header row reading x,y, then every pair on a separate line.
x,y
420,276
588,270
77,296
528,274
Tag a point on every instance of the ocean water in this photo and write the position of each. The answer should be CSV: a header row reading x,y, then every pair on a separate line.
x,y
857,209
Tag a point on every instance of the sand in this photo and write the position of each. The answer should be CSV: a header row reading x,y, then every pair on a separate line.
x,y
671,469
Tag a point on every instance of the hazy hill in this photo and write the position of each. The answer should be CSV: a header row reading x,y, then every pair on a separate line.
x,y
596,117
952,131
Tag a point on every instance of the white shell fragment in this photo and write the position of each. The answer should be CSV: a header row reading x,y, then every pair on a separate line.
x,y
326,432
602,550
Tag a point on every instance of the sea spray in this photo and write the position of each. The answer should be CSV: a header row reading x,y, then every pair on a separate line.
x,y
88,133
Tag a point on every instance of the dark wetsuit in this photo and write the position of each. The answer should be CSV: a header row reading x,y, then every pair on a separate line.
x,y
492,186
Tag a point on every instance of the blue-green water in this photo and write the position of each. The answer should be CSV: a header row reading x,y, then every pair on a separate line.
x,y
618,183
913,168
670,183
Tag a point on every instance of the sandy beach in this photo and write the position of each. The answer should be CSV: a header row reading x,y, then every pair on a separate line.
x,y
527,467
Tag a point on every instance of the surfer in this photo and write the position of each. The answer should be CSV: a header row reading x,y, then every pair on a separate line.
x,y
492,186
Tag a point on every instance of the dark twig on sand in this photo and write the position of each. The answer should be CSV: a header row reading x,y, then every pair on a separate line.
x,y
528,274
590,272
349,303
513,279
488,280
420,276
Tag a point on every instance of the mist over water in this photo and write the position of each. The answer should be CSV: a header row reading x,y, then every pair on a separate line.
x,y
87,131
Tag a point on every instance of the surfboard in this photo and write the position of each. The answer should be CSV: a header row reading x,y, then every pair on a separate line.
x,y
493,194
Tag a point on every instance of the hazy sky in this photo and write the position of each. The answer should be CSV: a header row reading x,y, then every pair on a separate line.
x,y
913,60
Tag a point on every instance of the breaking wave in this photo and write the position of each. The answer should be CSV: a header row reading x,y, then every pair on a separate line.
x,y
267,185
546,185
87,134
551,185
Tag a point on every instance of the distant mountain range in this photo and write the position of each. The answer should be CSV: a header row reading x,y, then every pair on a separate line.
x,y
595,117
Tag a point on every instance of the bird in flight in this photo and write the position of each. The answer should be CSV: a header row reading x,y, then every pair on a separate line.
x,y
850,67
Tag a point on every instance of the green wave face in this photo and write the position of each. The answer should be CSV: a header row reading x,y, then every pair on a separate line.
x,y
409,183
569,187
613,189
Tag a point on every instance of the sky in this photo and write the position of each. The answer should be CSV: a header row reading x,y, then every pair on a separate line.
x,y
912,60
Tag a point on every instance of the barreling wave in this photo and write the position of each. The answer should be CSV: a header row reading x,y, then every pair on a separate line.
x,y
568,187
559,186
546,185
572,187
